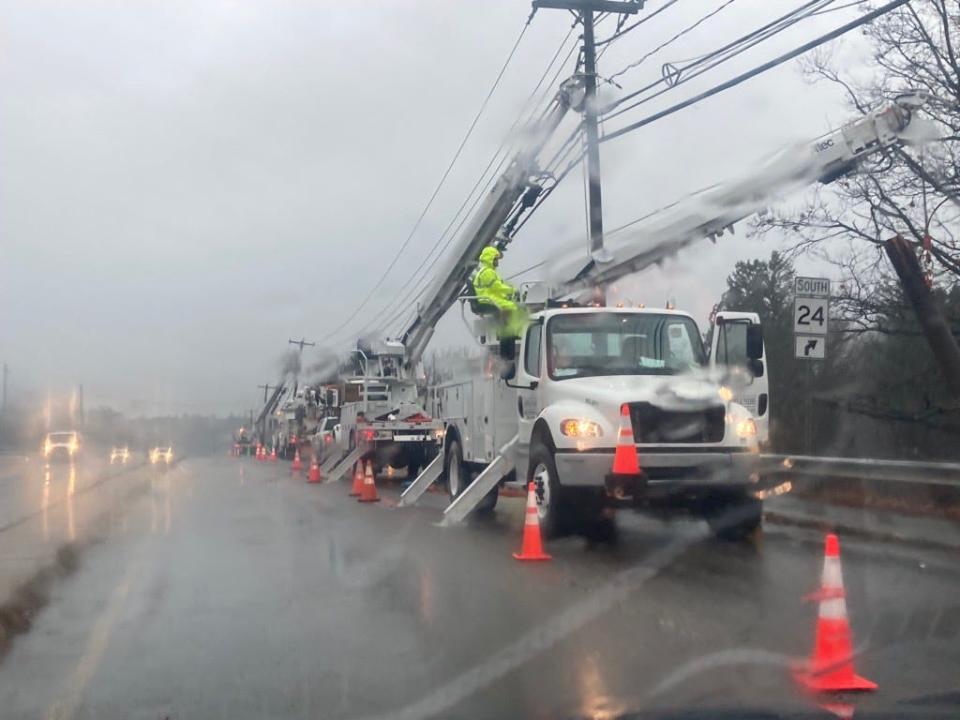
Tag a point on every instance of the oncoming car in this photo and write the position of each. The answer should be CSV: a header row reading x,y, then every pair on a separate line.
x,y
61,445
162,455
120,454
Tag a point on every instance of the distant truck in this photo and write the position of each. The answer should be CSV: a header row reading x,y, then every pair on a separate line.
x,y
64,445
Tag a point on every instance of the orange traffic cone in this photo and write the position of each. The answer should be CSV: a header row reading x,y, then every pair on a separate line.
x,y
532,547
273,454
830,667
314,475
297,464
625,459
357,479
368,491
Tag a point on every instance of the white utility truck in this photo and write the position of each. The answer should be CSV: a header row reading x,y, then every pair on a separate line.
x,y
552,415
547,408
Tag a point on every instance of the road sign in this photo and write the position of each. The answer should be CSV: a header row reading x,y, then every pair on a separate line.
x,y
810,316
811,287
810,347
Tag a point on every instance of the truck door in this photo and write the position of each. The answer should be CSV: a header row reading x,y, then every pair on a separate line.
x,y
528,377
734,343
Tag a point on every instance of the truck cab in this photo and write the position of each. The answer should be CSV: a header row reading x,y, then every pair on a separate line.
x,y
579,373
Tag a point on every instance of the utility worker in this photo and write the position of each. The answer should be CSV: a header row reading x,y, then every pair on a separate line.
x,y
489,287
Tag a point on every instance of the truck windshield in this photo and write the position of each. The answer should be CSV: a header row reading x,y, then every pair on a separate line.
x,y
606,343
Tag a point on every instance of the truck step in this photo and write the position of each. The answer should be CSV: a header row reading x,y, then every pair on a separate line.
x,y
337,472
481,485
424,480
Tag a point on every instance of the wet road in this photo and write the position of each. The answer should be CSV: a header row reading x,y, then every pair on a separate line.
x,y
29,484
228,589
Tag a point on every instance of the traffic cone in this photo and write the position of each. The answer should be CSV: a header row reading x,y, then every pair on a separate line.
x,y
314,475
830,667
273,454
357,479
368,491
532,547
259,455
297,464
625,459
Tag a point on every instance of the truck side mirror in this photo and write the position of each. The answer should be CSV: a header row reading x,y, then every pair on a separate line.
x,y
755,367
508,349
754,342
509,370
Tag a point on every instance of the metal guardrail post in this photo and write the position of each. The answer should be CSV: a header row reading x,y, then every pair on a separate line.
x,y
905,471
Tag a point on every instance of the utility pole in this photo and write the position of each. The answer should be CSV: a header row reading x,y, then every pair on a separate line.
x,y
266,390
3,403
301,342
586,9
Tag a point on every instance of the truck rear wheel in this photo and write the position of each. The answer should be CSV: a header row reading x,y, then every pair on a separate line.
x,y
459,476
735,517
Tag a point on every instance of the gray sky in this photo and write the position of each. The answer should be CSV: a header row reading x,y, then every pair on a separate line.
x,y
184,185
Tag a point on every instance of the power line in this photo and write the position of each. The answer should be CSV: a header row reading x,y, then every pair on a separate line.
x,y
743,77
621,32
720,55
672,40
841,7
403,308
443,179
772,27
446,234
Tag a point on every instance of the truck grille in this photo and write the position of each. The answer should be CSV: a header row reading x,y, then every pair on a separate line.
x,y
652,424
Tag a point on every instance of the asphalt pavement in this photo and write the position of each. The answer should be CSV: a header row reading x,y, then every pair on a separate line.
x,y
228,588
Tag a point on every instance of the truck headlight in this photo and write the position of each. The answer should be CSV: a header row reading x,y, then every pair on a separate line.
x,y
747,428
580,428
725,393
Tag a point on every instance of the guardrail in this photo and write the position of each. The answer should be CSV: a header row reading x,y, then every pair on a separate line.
x,y
925,473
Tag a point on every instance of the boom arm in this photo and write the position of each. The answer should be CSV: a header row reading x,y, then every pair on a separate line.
x,y
480,232
270,405
708,213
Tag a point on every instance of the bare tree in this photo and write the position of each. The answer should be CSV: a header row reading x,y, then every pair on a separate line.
x,y
911,192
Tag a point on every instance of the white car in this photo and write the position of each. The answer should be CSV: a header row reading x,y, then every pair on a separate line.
x,y
327,437
119,454
161,455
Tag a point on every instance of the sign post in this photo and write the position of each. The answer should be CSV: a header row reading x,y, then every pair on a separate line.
x,y
811,318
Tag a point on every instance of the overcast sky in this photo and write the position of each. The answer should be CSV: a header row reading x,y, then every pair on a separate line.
x,y
184,185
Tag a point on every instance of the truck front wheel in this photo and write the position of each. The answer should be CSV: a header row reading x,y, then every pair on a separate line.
x,y
552,508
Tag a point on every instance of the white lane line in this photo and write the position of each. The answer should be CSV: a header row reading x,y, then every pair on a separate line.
x,y
66,707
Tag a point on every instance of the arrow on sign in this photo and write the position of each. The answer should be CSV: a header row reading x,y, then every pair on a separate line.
x,y
810,347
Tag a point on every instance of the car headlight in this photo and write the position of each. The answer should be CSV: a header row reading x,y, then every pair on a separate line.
x,y
747,428
580,428
725,393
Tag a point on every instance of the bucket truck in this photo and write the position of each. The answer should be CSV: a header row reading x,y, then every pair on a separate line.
x,y
549,408
383,406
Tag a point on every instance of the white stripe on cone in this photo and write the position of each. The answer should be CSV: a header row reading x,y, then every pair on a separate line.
x,y
833,606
